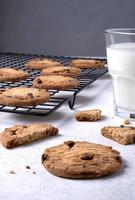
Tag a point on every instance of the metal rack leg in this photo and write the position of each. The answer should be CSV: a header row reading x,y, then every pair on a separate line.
x,y
71,102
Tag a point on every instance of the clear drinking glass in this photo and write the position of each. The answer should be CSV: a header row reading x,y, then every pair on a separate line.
x,y
120,48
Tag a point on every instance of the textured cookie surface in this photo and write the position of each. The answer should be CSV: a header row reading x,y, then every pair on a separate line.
x,y
55,82
88,115
86,63
24,134
123,134
10,74
81,160
63,71
23,96
41,63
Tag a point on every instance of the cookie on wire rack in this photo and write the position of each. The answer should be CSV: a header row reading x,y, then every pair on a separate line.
x,y
62,71
41,63
55,82
12,74
87,63
23,96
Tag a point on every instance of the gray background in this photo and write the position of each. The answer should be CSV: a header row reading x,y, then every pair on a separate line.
x,y
61,27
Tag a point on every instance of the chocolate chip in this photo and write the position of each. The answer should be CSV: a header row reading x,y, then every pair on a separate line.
x,y
24,126
118,158
44,157
122,126
87,157
70,144
30,95
2,90
39,81
83,118
13,132
28,167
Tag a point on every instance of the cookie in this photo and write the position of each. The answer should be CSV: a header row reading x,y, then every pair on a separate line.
x,y
123,134
41,63
10,74
63,71
24,134
23,96
87,63
55,82
81,160
88,115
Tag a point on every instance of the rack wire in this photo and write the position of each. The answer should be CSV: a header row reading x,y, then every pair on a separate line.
x,y
17,60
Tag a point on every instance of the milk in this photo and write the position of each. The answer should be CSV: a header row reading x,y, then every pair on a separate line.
x,y
121,63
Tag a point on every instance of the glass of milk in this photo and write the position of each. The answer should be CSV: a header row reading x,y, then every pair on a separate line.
x,y
120,47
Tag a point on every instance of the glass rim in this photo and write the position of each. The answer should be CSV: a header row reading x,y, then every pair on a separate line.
x,y
121,31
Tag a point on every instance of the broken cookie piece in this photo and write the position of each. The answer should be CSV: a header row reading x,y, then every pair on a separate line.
x,y
88,115
122,134
24,134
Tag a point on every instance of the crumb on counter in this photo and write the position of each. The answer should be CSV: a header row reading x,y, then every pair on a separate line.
x,y
12,172
126,121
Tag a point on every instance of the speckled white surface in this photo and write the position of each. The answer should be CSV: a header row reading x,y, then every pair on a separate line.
x,y
44,186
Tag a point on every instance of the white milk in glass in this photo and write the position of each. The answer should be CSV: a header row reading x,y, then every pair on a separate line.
x,y
121,63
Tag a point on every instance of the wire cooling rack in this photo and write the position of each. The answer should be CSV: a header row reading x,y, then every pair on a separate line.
x,y
17,60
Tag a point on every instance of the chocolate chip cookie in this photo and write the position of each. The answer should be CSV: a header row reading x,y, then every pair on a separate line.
x,y
88,115
41,63
123,134
24,134
55,82
63,71
87,63
11,74
23,96
81,160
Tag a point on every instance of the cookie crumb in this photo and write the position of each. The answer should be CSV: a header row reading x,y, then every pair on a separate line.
x,y
126,121
12,172
34,172
28,167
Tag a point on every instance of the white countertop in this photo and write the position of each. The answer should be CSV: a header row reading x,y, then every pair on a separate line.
x,y
24,185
